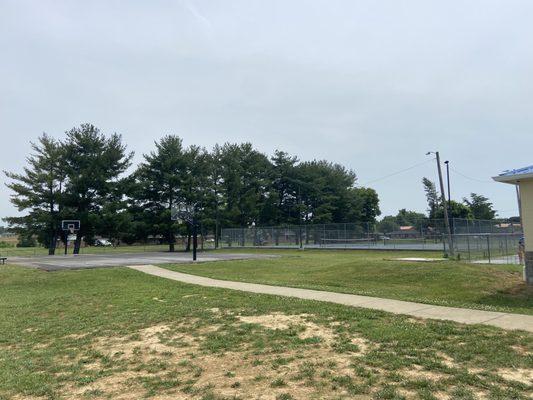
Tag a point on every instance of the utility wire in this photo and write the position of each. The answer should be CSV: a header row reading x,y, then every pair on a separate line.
x,y
397,172
468,177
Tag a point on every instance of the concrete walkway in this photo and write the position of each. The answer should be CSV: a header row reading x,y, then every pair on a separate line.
x,y
463,315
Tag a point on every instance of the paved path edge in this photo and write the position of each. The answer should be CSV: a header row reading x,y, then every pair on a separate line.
x,y
502,320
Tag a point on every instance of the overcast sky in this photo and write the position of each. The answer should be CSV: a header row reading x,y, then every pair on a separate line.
x,y
372,85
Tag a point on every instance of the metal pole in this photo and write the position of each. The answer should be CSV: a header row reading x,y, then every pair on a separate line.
x,y
468,245
488,246
519,200
216,233
444,203
449,204
194,240
448,180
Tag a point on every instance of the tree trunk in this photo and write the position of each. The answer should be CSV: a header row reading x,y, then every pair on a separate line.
x,y
171,241
53,244
64,239
77,243
189,237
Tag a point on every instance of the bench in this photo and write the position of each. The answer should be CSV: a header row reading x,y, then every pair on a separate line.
x,y
3,260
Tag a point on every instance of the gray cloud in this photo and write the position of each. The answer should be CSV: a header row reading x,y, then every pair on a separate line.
x,y
372,85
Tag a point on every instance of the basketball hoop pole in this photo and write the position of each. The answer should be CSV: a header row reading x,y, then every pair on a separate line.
x,y
69,226
194,239
188,213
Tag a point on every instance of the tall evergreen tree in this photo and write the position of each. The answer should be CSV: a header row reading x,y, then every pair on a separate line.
x,y
215,196
285,188
196,185
244,172
39,191
329,194
161,178
432,197
93,166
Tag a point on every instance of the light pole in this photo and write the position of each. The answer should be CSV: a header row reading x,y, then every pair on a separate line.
x,y
444,203
448,179
449,204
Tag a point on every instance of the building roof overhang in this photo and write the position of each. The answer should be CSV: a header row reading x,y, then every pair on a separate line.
x,y
515,176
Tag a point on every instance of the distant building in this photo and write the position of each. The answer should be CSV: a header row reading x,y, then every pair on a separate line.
x,y
523,180
405,232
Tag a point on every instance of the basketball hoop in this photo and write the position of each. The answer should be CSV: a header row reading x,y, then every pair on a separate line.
x,y
70,227
184,212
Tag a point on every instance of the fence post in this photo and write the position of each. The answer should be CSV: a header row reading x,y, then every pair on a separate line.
x,y
488,247
468,247
506,249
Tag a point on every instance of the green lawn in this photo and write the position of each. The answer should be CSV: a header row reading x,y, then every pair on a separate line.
x,y
117,333
372,273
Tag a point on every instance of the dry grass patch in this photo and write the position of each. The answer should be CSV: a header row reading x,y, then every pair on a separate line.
x,y
284,321
521,375
417,372
171,356
446,359
173,361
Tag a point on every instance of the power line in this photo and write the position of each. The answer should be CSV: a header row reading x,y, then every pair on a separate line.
x,y
470,178
397,172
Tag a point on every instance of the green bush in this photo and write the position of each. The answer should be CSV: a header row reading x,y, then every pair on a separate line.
x,y
5,245
26,241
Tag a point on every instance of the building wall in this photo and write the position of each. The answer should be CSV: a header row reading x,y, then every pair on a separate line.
x,y
526,193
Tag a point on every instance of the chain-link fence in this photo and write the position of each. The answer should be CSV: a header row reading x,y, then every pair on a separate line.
x,y
487,240
344,235
490,248
496,226
347,236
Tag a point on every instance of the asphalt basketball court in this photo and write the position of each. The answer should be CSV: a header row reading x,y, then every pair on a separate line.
x,y
82,261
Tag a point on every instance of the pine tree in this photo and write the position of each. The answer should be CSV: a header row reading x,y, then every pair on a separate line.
x,y
161,178
38,190
93,166
432,197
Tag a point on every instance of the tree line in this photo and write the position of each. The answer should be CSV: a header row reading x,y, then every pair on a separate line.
x,y
476,207
89,176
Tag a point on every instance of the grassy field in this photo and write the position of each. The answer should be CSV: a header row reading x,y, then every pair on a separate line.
x,y
373,273
118,334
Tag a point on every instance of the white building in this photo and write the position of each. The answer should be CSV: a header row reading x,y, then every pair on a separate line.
x,y
523,180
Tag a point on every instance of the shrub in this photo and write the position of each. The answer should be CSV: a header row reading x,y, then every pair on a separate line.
x,y
26,241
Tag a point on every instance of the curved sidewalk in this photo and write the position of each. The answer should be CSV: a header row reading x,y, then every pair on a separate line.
x,y
463,315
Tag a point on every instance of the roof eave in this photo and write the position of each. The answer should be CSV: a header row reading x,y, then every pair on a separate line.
x,y
512,179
